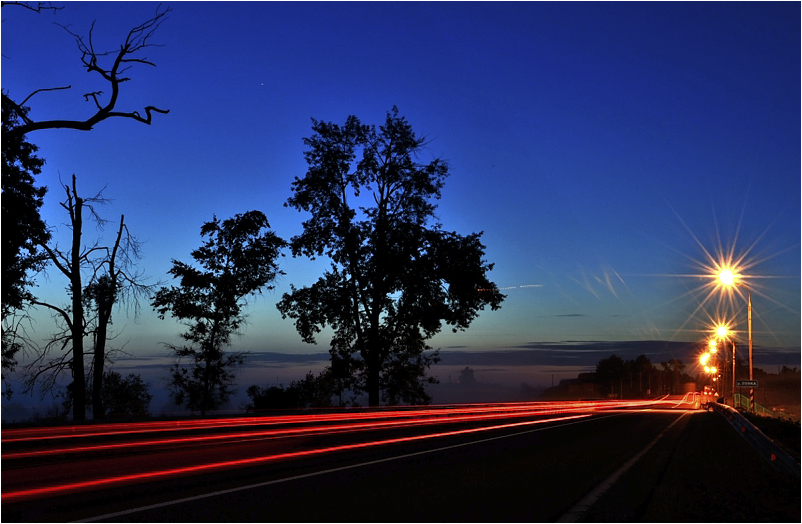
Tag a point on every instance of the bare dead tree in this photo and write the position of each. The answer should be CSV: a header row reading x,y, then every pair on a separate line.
x,y
99,277
114,281
70,263
129,54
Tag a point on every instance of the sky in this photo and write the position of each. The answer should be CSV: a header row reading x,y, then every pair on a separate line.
x,y
610,153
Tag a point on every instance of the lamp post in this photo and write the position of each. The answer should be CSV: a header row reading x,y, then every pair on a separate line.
x,y
712,347
703,358
728,279
723,333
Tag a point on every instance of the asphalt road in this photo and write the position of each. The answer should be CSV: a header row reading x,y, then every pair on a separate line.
x,y
572,465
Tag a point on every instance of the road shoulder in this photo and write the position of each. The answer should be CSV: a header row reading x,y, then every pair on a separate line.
x,y
703,471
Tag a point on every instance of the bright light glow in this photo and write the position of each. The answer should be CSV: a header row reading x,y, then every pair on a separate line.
x,y
723,269
714,370
721,331
712,345
704,358
726,277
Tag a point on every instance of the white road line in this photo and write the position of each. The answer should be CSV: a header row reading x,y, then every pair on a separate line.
x,y
333,470
573,514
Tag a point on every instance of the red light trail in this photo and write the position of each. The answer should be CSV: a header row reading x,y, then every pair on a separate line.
x,y
29,434
233,433
51,490
278,433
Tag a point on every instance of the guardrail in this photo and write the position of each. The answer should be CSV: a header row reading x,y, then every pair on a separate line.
x,y
742,401
765,447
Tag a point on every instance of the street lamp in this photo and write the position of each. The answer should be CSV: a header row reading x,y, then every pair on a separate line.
x,y
727,278
713,349
723,332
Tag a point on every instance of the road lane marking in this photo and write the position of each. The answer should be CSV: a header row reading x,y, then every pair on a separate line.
x,y
581,507
333,470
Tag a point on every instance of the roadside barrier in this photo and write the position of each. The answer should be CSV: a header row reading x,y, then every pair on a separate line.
x,y
742,401
765,447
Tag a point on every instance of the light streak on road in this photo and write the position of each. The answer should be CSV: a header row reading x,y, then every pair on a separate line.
x,y
58,489
279,433
416,417
30,434
149,437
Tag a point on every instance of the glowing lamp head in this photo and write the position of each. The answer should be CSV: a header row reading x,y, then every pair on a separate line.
x,y
714,370
726,277
721,331
703,358
712,345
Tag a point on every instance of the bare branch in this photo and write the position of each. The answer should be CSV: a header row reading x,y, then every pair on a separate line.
x,y
137,39
40,6
94,96
40,90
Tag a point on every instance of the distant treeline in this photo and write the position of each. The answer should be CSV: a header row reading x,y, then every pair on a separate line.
x,y
621,378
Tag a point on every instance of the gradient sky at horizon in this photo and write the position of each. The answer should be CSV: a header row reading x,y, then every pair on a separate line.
x,y
603,148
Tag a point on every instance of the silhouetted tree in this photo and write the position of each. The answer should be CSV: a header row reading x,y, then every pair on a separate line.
x,y
313,391
672,372
643,367
122,397
395,276
310,392
272,397
71,263
466,376
114,280
99,277
609,374
23,228
238,259
127,396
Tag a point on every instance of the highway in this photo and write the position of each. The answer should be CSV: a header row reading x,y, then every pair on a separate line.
x,y
542,461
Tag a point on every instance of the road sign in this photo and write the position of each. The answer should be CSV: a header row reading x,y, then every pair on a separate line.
x,y
746,383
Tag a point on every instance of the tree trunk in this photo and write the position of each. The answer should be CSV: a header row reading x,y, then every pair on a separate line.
x,y
97,374
79,382
105,300
373,384
207,362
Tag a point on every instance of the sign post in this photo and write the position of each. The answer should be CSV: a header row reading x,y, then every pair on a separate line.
x,y
751,384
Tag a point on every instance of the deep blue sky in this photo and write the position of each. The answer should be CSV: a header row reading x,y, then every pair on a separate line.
x,y
603,148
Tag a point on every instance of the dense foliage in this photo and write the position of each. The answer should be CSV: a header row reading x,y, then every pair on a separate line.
x,y
238,259
310,392
123,397
23,228
396,276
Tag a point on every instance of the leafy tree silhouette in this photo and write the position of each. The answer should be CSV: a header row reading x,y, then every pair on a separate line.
x,y
238,259
396,276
